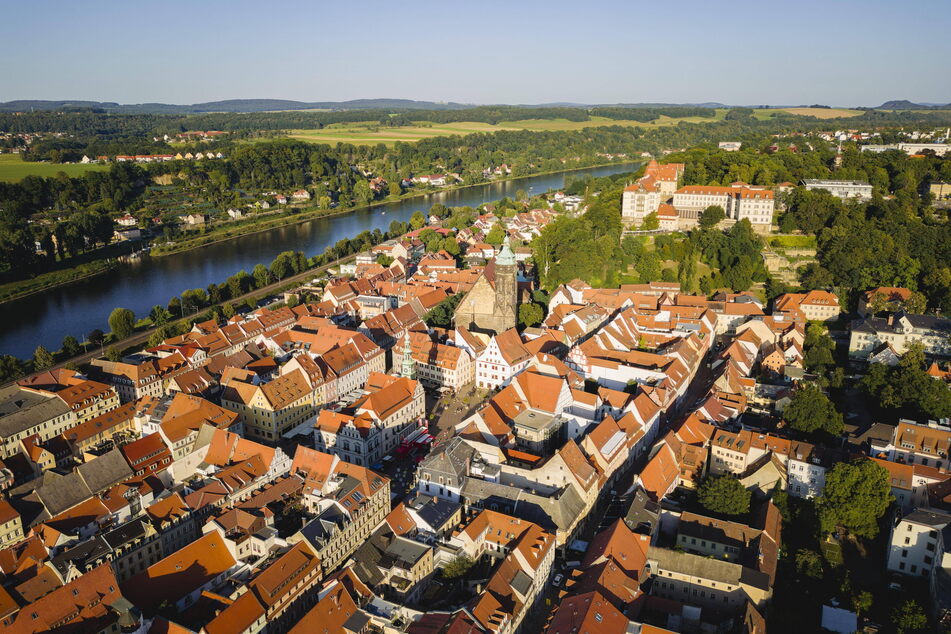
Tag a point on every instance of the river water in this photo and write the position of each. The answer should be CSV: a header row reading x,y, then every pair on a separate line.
x,y
77,308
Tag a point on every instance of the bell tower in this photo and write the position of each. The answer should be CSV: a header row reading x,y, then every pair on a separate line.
x,y
506,288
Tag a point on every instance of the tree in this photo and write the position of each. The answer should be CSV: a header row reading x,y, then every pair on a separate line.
x,y
810,411
530,315
711,216
417,220
114,354
96,337
651,222
458,567
42,359
863,602
496,235
157,337
262,277
909,617
724,495
228,311
362,192
809,563
450,246
160,315
122,322
856,494
70,346
10,368
440,315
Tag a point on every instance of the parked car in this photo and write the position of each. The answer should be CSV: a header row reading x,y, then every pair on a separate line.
x,y
557,580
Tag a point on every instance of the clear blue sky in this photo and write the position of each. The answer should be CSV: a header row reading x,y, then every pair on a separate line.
x,y
838,52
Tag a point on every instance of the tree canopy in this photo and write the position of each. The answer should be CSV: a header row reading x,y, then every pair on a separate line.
x,y
724,495
122,322
810,411
856,494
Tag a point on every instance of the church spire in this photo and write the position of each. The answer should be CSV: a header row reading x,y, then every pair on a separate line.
x,y
505,257
408,369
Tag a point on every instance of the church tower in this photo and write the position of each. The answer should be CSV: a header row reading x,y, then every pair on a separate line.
x,y
506,288
408,369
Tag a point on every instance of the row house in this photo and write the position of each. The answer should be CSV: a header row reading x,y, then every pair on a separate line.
x,y
276,597
504,356
525,554
349,502
438,364
180,578
267,409
389,413
87,399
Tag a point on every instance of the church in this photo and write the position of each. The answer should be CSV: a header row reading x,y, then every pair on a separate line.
x,y
491,306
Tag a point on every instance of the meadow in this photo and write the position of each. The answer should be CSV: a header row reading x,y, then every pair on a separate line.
x,y
13,168
371,132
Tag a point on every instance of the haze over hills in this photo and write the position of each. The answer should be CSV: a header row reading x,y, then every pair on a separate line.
x,y
904,104
268,105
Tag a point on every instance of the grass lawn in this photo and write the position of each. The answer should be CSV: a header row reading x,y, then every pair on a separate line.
x,y
13,168
371,132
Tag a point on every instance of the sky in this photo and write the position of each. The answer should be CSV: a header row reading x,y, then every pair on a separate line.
x,y
834,52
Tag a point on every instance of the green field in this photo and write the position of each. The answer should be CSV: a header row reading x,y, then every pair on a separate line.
x,y
13,168
371,132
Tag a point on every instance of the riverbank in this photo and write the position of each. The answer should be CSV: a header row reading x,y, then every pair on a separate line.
x,y
79,308
308,213
19,289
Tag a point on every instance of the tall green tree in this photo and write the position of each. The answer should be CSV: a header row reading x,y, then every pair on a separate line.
x,y
530,314
724,495
711,216
122,322
70,346
42,359
810,411
856,494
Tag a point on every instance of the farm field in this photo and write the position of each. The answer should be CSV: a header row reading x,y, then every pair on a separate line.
x,y
13,168
822,113
369,133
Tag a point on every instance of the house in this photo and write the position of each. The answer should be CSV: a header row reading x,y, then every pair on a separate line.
x,y
814,305
503,357
301,194
180,578
438,364
899,331
349,502
127,220
267,409
234,213
193,220
883,298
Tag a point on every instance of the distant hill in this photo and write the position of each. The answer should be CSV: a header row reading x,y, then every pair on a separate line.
x,y
228,105
904,104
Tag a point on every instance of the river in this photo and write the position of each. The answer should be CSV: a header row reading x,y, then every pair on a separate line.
x,y
78,308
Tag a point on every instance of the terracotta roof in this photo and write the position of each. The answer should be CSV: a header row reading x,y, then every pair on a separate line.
x,y
180,573
81,605
588,613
